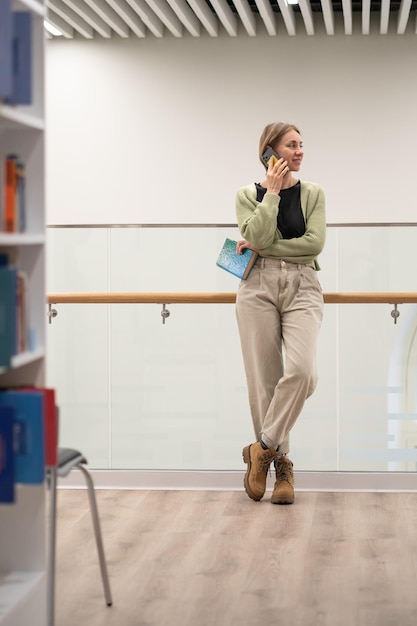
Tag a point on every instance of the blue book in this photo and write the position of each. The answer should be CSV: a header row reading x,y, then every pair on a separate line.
x,y
7,479
5,49
21,58
8,314
239,265
28,434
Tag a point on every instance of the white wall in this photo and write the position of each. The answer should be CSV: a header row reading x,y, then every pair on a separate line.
x,y
164,131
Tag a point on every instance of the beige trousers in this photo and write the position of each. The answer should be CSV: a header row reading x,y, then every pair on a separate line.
x,y
279,310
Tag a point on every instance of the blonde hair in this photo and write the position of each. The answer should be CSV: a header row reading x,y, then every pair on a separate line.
x,y
272,134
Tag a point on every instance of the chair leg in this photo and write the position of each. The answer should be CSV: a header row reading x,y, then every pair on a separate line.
x,y
52,484
97,533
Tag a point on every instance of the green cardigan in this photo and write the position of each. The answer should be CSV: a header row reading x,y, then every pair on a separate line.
x,y
257,223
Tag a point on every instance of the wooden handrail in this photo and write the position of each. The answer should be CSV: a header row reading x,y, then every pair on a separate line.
x,y
217,298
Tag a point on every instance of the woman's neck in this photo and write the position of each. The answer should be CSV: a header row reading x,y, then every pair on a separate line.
x,y
286,184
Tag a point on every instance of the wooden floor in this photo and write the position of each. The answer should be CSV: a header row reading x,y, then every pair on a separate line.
x,y
206,558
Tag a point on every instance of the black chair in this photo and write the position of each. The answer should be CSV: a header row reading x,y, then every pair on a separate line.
x,y
69,459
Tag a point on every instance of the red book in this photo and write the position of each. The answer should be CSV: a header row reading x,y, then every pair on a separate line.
x,y
10,212
50,424
51,428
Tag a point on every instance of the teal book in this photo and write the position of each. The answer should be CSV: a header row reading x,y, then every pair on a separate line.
x,y
8,303
239,265
28,434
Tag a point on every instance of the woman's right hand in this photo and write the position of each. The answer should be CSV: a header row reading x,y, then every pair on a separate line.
x,y
275,175
242,244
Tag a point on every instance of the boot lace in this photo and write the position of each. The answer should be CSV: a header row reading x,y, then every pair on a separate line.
x,y
265,460
283,470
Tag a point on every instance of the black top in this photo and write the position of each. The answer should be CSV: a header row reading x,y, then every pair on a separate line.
x,y
290,220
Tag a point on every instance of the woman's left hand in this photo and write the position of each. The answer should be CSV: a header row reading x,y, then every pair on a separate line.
x,y
242,244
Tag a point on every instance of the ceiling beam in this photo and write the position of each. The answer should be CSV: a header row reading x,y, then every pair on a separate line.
x,y
288,16
403,15
307,14
72,18
186,16
366,16
167,16
384,21
267,15
347,16
226,16
148,17
328,16
247,16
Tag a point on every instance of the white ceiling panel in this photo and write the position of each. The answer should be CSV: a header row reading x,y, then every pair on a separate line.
x,y
95,19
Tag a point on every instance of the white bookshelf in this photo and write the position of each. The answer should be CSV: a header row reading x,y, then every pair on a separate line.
x,y
23,559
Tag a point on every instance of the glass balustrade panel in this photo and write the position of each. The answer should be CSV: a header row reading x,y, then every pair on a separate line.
x,y
138,393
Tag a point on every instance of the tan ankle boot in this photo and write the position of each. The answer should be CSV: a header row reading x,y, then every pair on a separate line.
x,y
258,461
284,485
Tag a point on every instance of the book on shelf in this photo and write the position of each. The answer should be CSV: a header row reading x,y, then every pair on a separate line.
x,y
28,437
239,265
50,423
22,313
28,433
15,55
20,196
21,58
5,49
7,473
51,427
8,314
14,311
13,195
10,190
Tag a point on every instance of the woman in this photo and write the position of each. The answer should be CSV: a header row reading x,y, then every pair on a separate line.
x,y
279,308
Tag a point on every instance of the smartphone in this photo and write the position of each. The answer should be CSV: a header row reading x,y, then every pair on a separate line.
x,y
268,154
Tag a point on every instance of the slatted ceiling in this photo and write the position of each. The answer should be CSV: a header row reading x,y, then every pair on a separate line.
x,y
187,17
127,14
158,18
148,17
109,15
167,16
90,16
73,19
61,24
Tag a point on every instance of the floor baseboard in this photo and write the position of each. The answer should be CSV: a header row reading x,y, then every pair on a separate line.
x,y
233,480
